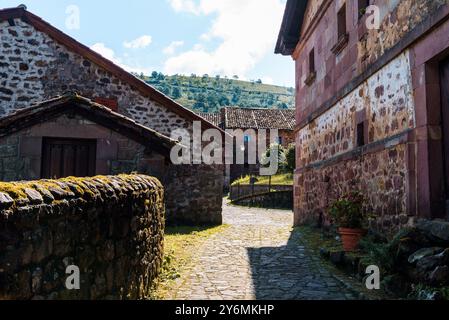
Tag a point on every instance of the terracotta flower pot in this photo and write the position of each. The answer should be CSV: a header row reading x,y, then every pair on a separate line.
x,y
351,238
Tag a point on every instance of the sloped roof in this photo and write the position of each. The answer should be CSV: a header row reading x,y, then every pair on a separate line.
x,y
283,119
214,118
253,118
21,13
73,103
289,33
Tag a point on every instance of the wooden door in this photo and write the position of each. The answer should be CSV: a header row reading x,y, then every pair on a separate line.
x,y
444,87
68,157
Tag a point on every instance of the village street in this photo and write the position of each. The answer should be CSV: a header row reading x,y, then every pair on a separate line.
x,y
257,257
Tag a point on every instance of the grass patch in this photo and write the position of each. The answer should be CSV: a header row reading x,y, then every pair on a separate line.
x,y
279,179
316,239
180,246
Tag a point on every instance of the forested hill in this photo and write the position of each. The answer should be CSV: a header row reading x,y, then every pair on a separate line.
x,y
209,94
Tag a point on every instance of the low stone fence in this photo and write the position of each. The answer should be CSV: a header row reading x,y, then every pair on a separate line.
x,y
108,228
239,191
269,200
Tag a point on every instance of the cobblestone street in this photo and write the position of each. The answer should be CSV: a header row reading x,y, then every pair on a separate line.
x,y
258,257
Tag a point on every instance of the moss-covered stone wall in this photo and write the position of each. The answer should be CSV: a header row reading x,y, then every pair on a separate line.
x,y
110,227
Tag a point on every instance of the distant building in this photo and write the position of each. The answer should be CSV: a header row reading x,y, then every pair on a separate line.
x,y
371,106
250,121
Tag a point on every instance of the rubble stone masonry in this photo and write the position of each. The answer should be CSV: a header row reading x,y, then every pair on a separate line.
x,y
359,117
34,67
110,227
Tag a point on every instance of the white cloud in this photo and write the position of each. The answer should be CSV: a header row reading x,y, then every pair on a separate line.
x,y
141,42
106,52
185,6
248,30
170,50
109,54
267,80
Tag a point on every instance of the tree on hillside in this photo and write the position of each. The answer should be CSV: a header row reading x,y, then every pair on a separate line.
x,y
236,95
223,100
212,101
200,103
176,93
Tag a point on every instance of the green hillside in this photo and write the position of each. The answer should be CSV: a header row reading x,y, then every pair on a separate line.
x,y
209,94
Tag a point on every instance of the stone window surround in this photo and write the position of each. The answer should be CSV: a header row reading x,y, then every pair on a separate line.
x,y
427,169
343,35
361,119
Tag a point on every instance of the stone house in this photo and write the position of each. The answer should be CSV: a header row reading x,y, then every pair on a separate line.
x,y
73,136
39,63
371,106
248,122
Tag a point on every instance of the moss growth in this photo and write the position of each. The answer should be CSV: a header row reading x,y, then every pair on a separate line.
x,y
279,179
16,190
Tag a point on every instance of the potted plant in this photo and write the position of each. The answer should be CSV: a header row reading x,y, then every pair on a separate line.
x,y
350,216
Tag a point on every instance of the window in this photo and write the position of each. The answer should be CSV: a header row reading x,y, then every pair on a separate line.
x,y
279,140
361,134
362,6
312,72
247,138
312,61
342,22
342,32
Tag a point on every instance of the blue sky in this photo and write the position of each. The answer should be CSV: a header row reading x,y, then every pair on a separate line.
x,y
223,37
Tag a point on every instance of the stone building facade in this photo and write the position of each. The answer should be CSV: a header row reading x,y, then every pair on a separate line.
x,y
244,124
39,62
370,106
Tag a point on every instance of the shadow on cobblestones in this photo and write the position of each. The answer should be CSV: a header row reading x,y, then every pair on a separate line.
x,y
291,272
258,256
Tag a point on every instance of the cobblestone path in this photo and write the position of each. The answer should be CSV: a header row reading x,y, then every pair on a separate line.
x,y
258,257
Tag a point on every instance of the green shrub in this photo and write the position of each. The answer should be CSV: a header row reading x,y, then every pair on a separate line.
x,y
290,155
281,158
378,254
348,211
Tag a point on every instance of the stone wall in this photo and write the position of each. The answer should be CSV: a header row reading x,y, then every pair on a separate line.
x,y
111,227
385,101
268,200
369,84
35,67
238,191
364,47
199,199
381,176
330,163
398,18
